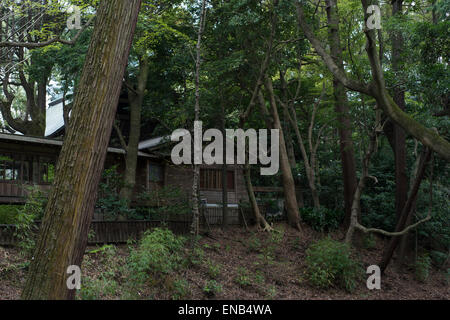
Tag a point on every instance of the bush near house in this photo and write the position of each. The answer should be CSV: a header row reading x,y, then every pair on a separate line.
x,y
8,214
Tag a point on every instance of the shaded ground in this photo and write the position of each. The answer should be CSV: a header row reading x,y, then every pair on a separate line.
x,y
244,270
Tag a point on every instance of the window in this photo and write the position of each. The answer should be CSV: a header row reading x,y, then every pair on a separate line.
x,y
9,168
155,173
212,179
46,170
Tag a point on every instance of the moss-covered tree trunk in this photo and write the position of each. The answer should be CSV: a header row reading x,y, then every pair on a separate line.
x,y
63,235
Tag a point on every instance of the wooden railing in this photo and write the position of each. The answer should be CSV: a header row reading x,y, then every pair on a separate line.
x,y
122,231
108,231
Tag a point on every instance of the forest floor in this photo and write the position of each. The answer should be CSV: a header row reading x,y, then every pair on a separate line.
x,y
243,272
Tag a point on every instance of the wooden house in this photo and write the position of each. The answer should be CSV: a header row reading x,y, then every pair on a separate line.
x,y
31,161
26,161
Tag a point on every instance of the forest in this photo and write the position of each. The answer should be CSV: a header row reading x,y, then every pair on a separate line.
x,y
119,120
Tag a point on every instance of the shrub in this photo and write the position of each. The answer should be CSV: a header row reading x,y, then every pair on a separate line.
x,y
329,263
271,244
109,203
243,277
102,284
196,256
27,215
212,288
180,289
369,241
159,253
322,219
422,267
213,269
254,244
163,203
8,214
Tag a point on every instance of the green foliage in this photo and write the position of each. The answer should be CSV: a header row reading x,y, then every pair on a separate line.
x,y
8,214
267,248
296,243
423,267
329,263
271,293
196,256
159,252
26,231
369,241
105,284
212,288
254,244
109,203
213,269
322,219
164,203
180,289
435,234
151,265
243,277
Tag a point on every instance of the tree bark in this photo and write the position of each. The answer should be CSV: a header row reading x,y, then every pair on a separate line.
x,y
136,98
287,178
63,235
195,194
408,209
260,221
224,172
342,109
401,179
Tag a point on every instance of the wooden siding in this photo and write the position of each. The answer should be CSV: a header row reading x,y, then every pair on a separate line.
x,y
181,176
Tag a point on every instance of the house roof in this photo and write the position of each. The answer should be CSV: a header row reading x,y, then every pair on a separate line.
x,y
54,122
157,142
153,142
54,142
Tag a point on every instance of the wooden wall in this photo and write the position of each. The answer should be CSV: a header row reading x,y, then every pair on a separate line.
x,y
181,176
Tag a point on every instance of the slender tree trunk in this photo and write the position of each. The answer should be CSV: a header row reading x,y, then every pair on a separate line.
x,y
287,178
260,220
291,156
132,149
308,162
407,210
195,194
224,172
341,107
63,234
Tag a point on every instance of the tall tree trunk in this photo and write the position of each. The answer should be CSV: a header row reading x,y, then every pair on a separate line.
x,y
195,194
136,98
224,171
401,179
287,178
291,155
308,162
341,107
63,234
